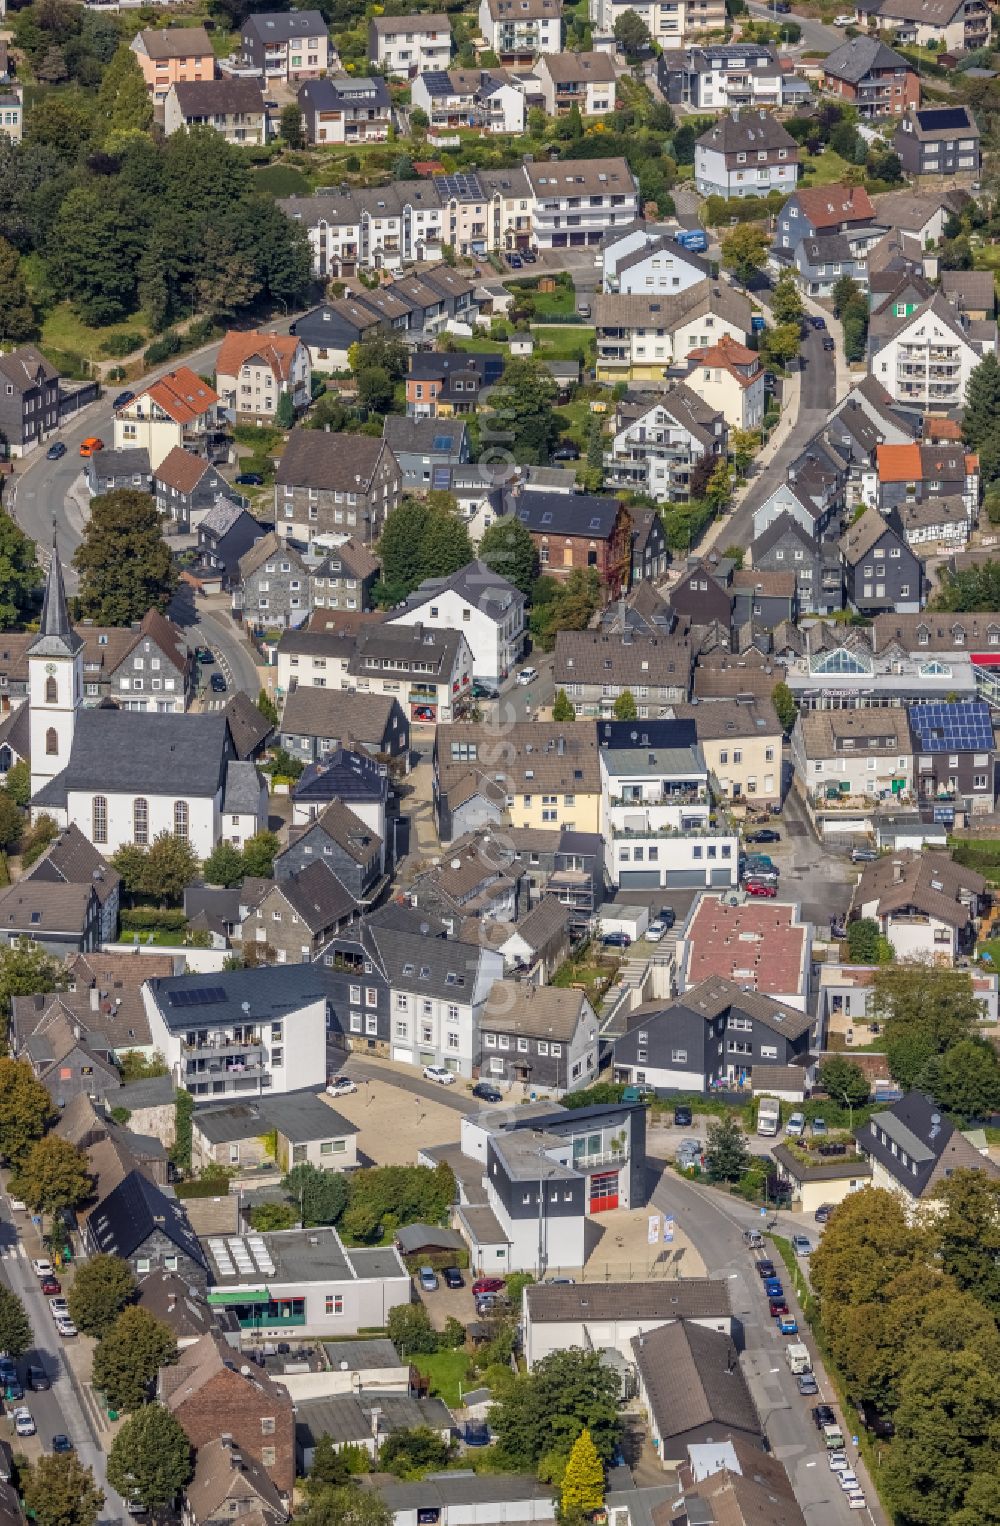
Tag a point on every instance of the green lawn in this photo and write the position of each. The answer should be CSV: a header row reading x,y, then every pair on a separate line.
x,y
827,168
549,304
63,330
564,342
447,1370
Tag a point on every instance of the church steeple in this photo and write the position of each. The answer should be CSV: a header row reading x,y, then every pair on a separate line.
x,y
56,636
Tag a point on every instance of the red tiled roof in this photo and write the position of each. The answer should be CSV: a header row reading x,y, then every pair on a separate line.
x,y
729,355
898,463
276,350
181,469
756,944
182,395
941,429
827,206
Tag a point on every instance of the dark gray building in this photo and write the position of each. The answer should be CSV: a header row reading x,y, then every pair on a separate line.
x,y
650,554
334,484
954,754
786,546
880,571
345,578
226,533
346,110
766,598
426,448
273,587
316,722
108,470
29,400
341,840
59,917
138,1222
266,43
714,1034
186,487
940,141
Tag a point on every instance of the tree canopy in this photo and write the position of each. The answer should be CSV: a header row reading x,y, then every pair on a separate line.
x,y
546,1409
507,547
150,1458
129,1356
124,563
59,1491
102,1286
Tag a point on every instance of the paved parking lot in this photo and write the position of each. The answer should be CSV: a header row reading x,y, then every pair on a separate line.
x,y
395,1121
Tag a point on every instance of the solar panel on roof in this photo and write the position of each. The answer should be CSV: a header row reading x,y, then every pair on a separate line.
x,y
953,727
945,119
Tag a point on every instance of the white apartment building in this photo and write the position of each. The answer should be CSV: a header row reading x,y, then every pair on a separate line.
x,y
487,609
929,358
645,260
485,98
670,22
518,30
576,201
658,441
638,337
585,80
405,46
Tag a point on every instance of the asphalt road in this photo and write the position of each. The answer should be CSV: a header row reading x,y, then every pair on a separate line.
x,y
715,1226
815,35
208,624
362,1070
61,1409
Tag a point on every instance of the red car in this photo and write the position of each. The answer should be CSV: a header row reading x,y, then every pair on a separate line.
x,y
762,890
777,1306
51,1286
488,1285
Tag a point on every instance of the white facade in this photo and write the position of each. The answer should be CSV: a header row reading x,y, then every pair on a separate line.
x,y
576,202
647,452
927,363
493,110
739,399
656,828
290,1050
749,175
428,1030
126,813
420,46
662,270
537,31
55,693
541,1338
495,645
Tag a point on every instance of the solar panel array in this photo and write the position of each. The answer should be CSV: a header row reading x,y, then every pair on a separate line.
x,y
199,996
462,187
944,119
953,728
245,1258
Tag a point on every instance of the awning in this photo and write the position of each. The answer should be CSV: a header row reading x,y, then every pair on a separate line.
x,y
239,1295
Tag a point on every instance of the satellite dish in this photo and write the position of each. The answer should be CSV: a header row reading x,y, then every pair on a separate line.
x,y
935,1117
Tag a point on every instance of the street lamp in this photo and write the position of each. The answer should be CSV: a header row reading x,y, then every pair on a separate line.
x,y
850,1108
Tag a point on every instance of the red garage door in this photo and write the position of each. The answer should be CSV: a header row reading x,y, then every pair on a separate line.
x,y
603,1191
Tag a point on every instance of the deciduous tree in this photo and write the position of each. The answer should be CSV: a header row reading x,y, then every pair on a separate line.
x,y
321,1196
150,1458
947,1428
844,1080
964,1080
507,547
784,703
259,853
128,1358
20,575
224,865
563,708
631,34
867,1243
52,1175
520,418
968,1234
102,1286
625,708
924,1010
349,1506
59,1491
124,563
727,1155
744,251
26,1109
17,316
786,299
16,1335
171,865
547,1408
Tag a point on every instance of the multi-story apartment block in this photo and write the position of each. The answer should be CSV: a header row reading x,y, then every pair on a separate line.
x,y
345,110
487,609
936,143
671,23
428,671
344,578
720,77
178,409
490,99
639,337
747,153
382,228
254,371
595,669
955,26
927,359
234,108
741,745
579,530
405,46
539,774
576,201
518,30
873,77
171,55
274,584
585,80
29,398
334,484
864,753
287,45
659,441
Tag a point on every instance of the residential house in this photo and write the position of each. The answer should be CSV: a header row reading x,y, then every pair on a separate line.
x,y
924,215
880,569
642,260
969,293
316,722
29,399
12,113
452,1497
138,1222
934,141
954,26
820,211
720,77
71,860
232,107
173,55
933,524
820,262
209,1396
279,1132
225,534
926,906
585,80
759,945
102,1001
741,745
786,545
178,409
185,486
638,337
576,201
346,109
671,23
254,371
425,450
58,917
874,78
487,609
926,472
715,1034
372,229
765,598
328,331
813,1181
703,594
339,484
318,653
745,153
518,30
536,947
226,1485
927,359
542,1037
216,1047
273,586
108,470
656,809
366,1419
913,1148
431,670
595,669
478,882
544,775
151,670
860,752
691,1386
441,383
579,530
287,45
954,753
734,1481
730,379
349,775
650,554
345,577
249,727
405,46
490,99
300,913
342,841
557,1315
750,676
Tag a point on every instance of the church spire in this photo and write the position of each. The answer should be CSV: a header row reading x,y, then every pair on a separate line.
x,y
56,635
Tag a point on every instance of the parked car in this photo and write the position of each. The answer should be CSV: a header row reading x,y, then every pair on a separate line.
x,y
655,931
823,1415
204,655
66,1328
818,1128
828,343
801,1246
428,1279
838,1462
42,1268
863,855
122,400
50,1285
487,1092
38,1379
484,691
56,451
566,451
62,1443
823,1213
796,1125
682,1116
777,1307
91,446
857,1501
58,1308
817,322
453,1277
529,256
761,890
773,1288
766,834
667,916
218,683
765,1268
249,479
787,1325
846,18
616,940
24,1425
341,1086
439,1073
807,1384
487,1285
527,676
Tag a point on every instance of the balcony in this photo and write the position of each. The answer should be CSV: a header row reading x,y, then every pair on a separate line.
x,y
205,1048
700,829
602,1158
667,796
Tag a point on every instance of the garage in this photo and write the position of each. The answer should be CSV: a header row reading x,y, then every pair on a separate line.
x,y
639,879
722,877
685,879
603,1191
404,1056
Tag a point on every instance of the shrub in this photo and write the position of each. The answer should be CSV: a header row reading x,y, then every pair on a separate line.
x,y
162,349
122,344
148,918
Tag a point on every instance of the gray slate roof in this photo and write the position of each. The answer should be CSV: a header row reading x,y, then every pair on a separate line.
x,y
859,56
277,26
242,793
133,752
272,991
692,1378
477,583
316,459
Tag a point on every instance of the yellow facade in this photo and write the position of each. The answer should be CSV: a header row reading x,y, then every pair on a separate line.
x,y
576,813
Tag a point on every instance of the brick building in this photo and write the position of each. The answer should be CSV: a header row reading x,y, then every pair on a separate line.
x,y
578,530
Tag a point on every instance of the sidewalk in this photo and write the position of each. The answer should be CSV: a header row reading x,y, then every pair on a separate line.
x,y
779,434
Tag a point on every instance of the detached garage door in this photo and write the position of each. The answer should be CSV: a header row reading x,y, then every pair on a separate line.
x,y
639,879
722,877
685,879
